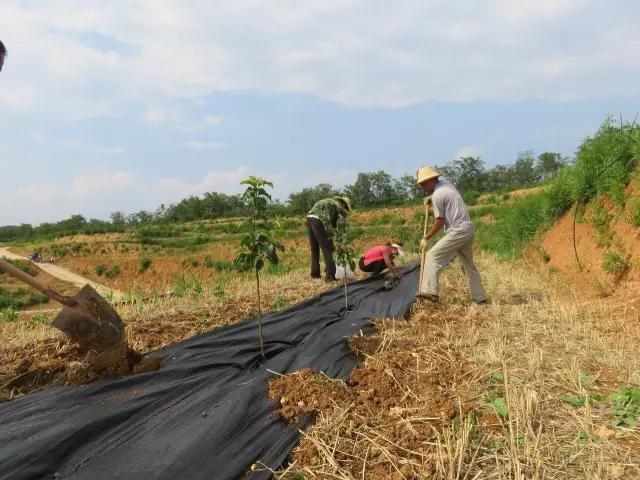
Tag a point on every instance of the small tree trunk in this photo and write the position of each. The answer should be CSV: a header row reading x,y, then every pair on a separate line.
x,y
346,300
259,315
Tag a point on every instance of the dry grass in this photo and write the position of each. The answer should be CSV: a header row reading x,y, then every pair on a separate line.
x,y
427,385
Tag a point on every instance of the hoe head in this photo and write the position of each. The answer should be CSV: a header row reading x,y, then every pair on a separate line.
x,y
93,323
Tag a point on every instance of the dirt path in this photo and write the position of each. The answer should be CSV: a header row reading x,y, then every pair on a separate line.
x,y
66,275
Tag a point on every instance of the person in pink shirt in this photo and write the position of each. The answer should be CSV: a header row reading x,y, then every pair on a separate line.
x,y
378,258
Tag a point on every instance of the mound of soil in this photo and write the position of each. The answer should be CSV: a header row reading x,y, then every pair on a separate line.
x,y
56,362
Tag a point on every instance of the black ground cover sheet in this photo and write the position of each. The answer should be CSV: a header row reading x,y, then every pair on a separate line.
x,y
150,426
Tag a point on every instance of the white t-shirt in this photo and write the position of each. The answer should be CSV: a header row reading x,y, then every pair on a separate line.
x,y
448,203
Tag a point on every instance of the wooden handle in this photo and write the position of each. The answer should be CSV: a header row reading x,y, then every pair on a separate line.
x,y
424,250
32,282
426,221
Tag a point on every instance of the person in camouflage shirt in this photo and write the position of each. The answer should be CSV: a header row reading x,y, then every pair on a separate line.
x,y
324,218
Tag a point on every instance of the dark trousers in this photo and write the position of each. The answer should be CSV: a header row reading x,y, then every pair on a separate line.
x,y
374,267
318,239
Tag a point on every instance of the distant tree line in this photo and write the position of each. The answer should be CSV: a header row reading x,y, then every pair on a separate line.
x,y
370,190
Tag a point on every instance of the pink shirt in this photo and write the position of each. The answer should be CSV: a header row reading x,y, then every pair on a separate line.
x,y
376,253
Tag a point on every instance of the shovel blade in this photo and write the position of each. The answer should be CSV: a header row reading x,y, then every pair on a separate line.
x,y
94,324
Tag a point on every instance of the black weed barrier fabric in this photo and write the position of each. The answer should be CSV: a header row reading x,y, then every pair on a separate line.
x,y
151,426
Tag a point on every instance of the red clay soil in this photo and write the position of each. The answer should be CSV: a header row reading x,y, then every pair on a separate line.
x,y
592,281
383,394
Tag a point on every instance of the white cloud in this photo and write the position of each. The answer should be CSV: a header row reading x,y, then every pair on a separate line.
x,y
468,151
212,121
38,137
89,183
88,194
199,145
156,115
400,53
223,182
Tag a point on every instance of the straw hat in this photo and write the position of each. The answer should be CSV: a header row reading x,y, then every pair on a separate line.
x,y
426,173
346,200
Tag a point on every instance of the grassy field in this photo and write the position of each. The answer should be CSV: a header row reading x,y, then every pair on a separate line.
x,y
155,259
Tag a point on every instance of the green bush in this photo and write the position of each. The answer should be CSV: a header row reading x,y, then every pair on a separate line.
x,y
515,226
39,318
600,219
24,265
385,219
145,263
20,297
184,285
193,262
290,225
9,314
615,264
470,197
278,304
490,199
113,273
278,270
100,269
544,256
482,211
560,194
398,221
222,266
604,162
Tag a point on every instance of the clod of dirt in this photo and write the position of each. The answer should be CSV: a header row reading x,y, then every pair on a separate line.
x,y
108,359
125,369
364,344
306,392
116,362
148,364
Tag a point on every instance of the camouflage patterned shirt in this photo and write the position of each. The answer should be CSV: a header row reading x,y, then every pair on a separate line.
x,y
332,215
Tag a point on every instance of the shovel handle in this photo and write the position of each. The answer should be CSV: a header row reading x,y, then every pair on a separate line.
x,y
32,282
424,250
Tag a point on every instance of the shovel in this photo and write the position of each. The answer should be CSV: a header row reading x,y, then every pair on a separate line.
x,y
86,317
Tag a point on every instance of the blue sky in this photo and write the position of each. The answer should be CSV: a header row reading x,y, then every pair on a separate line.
x,y
124,105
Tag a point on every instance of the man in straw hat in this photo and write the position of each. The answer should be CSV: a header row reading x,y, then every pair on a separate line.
x,y
451,213
324,218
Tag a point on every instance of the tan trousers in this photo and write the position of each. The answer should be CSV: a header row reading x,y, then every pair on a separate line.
x,y
452,244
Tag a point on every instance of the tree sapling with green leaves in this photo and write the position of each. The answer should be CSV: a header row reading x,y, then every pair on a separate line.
x,y
345,256
256,245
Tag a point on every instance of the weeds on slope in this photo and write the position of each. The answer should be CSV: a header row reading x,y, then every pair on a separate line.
x,y
521,389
